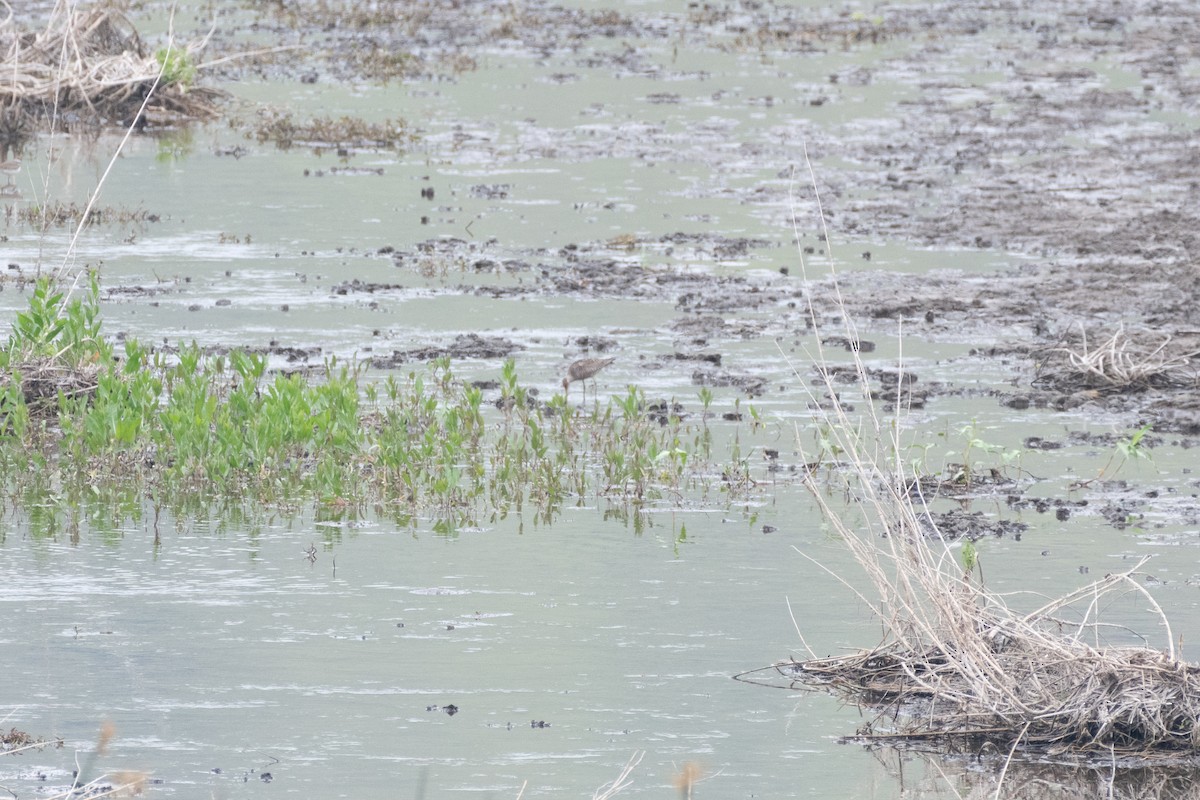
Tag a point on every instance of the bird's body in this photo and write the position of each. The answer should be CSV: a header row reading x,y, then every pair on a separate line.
x,y
10,167
582,370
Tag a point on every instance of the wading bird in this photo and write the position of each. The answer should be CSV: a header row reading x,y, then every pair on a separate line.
x,y
10,167
583,369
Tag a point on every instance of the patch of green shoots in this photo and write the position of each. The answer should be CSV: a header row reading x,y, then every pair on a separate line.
x,y
1132,447
967,472
970,557
178,68
706,399
92,432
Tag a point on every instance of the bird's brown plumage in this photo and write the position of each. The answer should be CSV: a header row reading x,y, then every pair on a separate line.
x,y
583,369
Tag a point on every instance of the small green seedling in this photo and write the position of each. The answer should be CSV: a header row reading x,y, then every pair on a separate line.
x,y
970,557
1132,448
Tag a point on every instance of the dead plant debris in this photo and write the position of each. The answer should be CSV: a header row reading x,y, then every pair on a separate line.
x,y
1035,684
1122,361
56,213
323,133
41,381
15,741
88,66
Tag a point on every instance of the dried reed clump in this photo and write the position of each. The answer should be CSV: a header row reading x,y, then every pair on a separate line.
x,y
1023,683
89,65
1117,363
957,666
42,379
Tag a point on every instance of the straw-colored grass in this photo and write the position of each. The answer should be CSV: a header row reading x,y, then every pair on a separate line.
x,y
1118,362
622,781
89,64
957,666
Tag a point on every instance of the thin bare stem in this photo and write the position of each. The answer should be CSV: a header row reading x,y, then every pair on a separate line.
x,y
622,781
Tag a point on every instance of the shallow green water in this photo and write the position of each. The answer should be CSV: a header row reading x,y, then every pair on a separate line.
x,y
223,647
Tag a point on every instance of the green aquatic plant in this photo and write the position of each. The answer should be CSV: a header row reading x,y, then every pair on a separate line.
x,y
706,399
52,328
177,67
829,450
1133,447
972,467
756,420
186,429
970,557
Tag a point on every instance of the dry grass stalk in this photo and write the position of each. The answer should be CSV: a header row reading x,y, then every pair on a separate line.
x,y
622,781
121,784
957,665
88,64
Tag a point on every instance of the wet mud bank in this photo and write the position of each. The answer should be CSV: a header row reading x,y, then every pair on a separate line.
x,y
1056,131
1051,130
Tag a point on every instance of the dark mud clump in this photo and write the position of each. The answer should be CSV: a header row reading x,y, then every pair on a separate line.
x,y
971,525
465,346
751,385
1039,152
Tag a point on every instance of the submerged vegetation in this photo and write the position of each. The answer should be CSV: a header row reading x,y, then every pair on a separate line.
x,y
285,131
86,420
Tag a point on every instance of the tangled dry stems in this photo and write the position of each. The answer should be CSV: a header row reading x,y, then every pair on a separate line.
x,y
622,781
1118,363
957,666
1041,693
43,379
88,65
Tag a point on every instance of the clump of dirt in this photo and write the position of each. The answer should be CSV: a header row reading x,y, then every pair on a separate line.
x,y
595,342
963,481
972,525
470,345
751,385
891,387
1063,508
